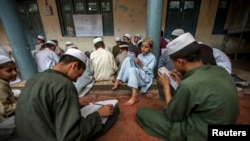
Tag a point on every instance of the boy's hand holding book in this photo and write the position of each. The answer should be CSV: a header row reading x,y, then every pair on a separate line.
x,y
106,110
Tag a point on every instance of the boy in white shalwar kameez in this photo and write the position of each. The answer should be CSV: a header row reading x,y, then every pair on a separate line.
x,y
138,72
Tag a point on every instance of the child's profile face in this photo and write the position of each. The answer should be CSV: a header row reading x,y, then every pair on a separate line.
x,y
9,72
145,48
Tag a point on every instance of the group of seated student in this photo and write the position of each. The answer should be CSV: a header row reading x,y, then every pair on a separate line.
x,y
50,110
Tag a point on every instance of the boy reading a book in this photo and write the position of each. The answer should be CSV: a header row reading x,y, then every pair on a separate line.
x,y
138,72
50,111
206,95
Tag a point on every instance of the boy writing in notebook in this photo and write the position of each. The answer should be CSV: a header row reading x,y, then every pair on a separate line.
x,y
50,111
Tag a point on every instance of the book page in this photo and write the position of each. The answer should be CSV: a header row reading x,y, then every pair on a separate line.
x,y
164,70
92,107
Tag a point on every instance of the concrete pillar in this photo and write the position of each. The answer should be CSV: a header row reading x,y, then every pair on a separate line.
x,y
12,23
154,19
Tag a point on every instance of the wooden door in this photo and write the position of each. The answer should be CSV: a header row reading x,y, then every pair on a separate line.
x,y
182,14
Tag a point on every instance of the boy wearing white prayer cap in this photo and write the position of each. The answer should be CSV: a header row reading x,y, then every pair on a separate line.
x,y
46,58
206,95
116,48
122,55
164,60
40,40
137,37
50,99
68,44
58,50
128,39
175,33
103,61
138,72
8,101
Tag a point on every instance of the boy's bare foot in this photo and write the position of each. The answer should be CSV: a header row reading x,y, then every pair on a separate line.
x,y
117,83
131,101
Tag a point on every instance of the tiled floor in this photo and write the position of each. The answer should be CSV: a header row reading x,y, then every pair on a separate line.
x,y
127,129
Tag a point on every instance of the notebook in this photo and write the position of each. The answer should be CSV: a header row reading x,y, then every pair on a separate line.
x,y
164,70
92,107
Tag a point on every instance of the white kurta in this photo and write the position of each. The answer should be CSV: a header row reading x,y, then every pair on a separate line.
x,y
222,60
136,76
45,59
104,64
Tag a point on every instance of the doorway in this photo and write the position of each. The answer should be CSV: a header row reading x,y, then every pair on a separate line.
x,y
182,14
31,20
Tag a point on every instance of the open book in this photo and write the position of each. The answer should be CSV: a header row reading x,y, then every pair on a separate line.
x,y
164,70
92,107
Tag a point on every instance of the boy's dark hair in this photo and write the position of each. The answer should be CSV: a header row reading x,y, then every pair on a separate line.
x,y
190,53
4,65
161,33
206,54
98,44
66,59
173,37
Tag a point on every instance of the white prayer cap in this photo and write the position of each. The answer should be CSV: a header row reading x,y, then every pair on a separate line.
x,y
127,35
123,45
50,42
117,39
76,53
177,32
98,39
180,42
68,43
40,37
139,42
4,59
138,35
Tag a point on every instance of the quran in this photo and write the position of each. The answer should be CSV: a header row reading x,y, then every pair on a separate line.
x,y
164,70
92,107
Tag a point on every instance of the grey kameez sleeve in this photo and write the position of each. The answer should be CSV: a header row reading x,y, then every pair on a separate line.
x,y
74,127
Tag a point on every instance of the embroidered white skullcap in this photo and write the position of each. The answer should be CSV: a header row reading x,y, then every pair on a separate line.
x,y
179,43
177,32
124,45
138,35
68,43
4,59
127,35
117,39
98,39
50,42
76,53
40,37
139,42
